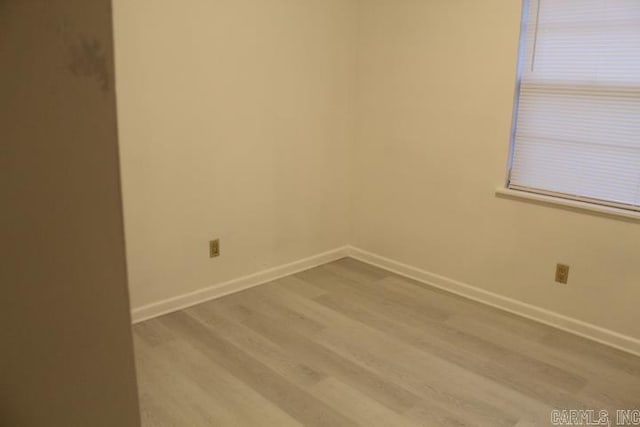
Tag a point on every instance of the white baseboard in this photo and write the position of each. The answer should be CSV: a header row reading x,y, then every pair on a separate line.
x,y
574,326
556,320
221,289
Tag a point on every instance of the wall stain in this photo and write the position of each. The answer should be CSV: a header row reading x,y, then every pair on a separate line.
x,y
88,60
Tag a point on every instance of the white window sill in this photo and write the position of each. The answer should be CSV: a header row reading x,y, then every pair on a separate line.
x,y
568,204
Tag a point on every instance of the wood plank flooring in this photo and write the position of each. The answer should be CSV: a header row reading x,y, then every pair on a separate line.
x,y
347,344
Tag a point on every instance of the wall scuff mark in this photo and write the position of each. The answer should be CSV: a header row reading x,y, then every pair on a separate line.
x,y
88,60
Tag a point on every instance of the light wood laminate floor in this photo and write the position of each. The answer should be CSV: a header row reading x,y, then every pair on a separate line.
x,y
347,344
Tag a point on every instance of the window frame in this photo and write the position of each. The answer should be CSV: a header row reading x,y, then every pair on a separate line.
x,y
549,197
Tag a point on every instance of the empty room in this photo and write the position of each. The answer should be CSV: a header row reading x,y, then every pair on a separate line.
x,y
320,213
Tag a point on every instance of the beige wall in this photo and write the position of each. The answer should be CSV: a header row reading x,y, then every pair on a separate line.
x,y
436,82
292,127
236,121
65,339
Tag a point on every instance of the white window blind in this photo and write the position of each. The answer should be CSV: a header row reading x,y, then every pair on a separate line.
x,y
577,127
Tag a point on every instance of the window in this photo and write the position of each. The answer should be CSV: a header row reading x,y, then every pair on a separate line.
x,y
577,118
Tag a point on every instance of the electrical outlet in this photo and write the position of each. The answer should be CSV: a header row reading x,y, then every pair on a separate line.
x,y
214,248
562,273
